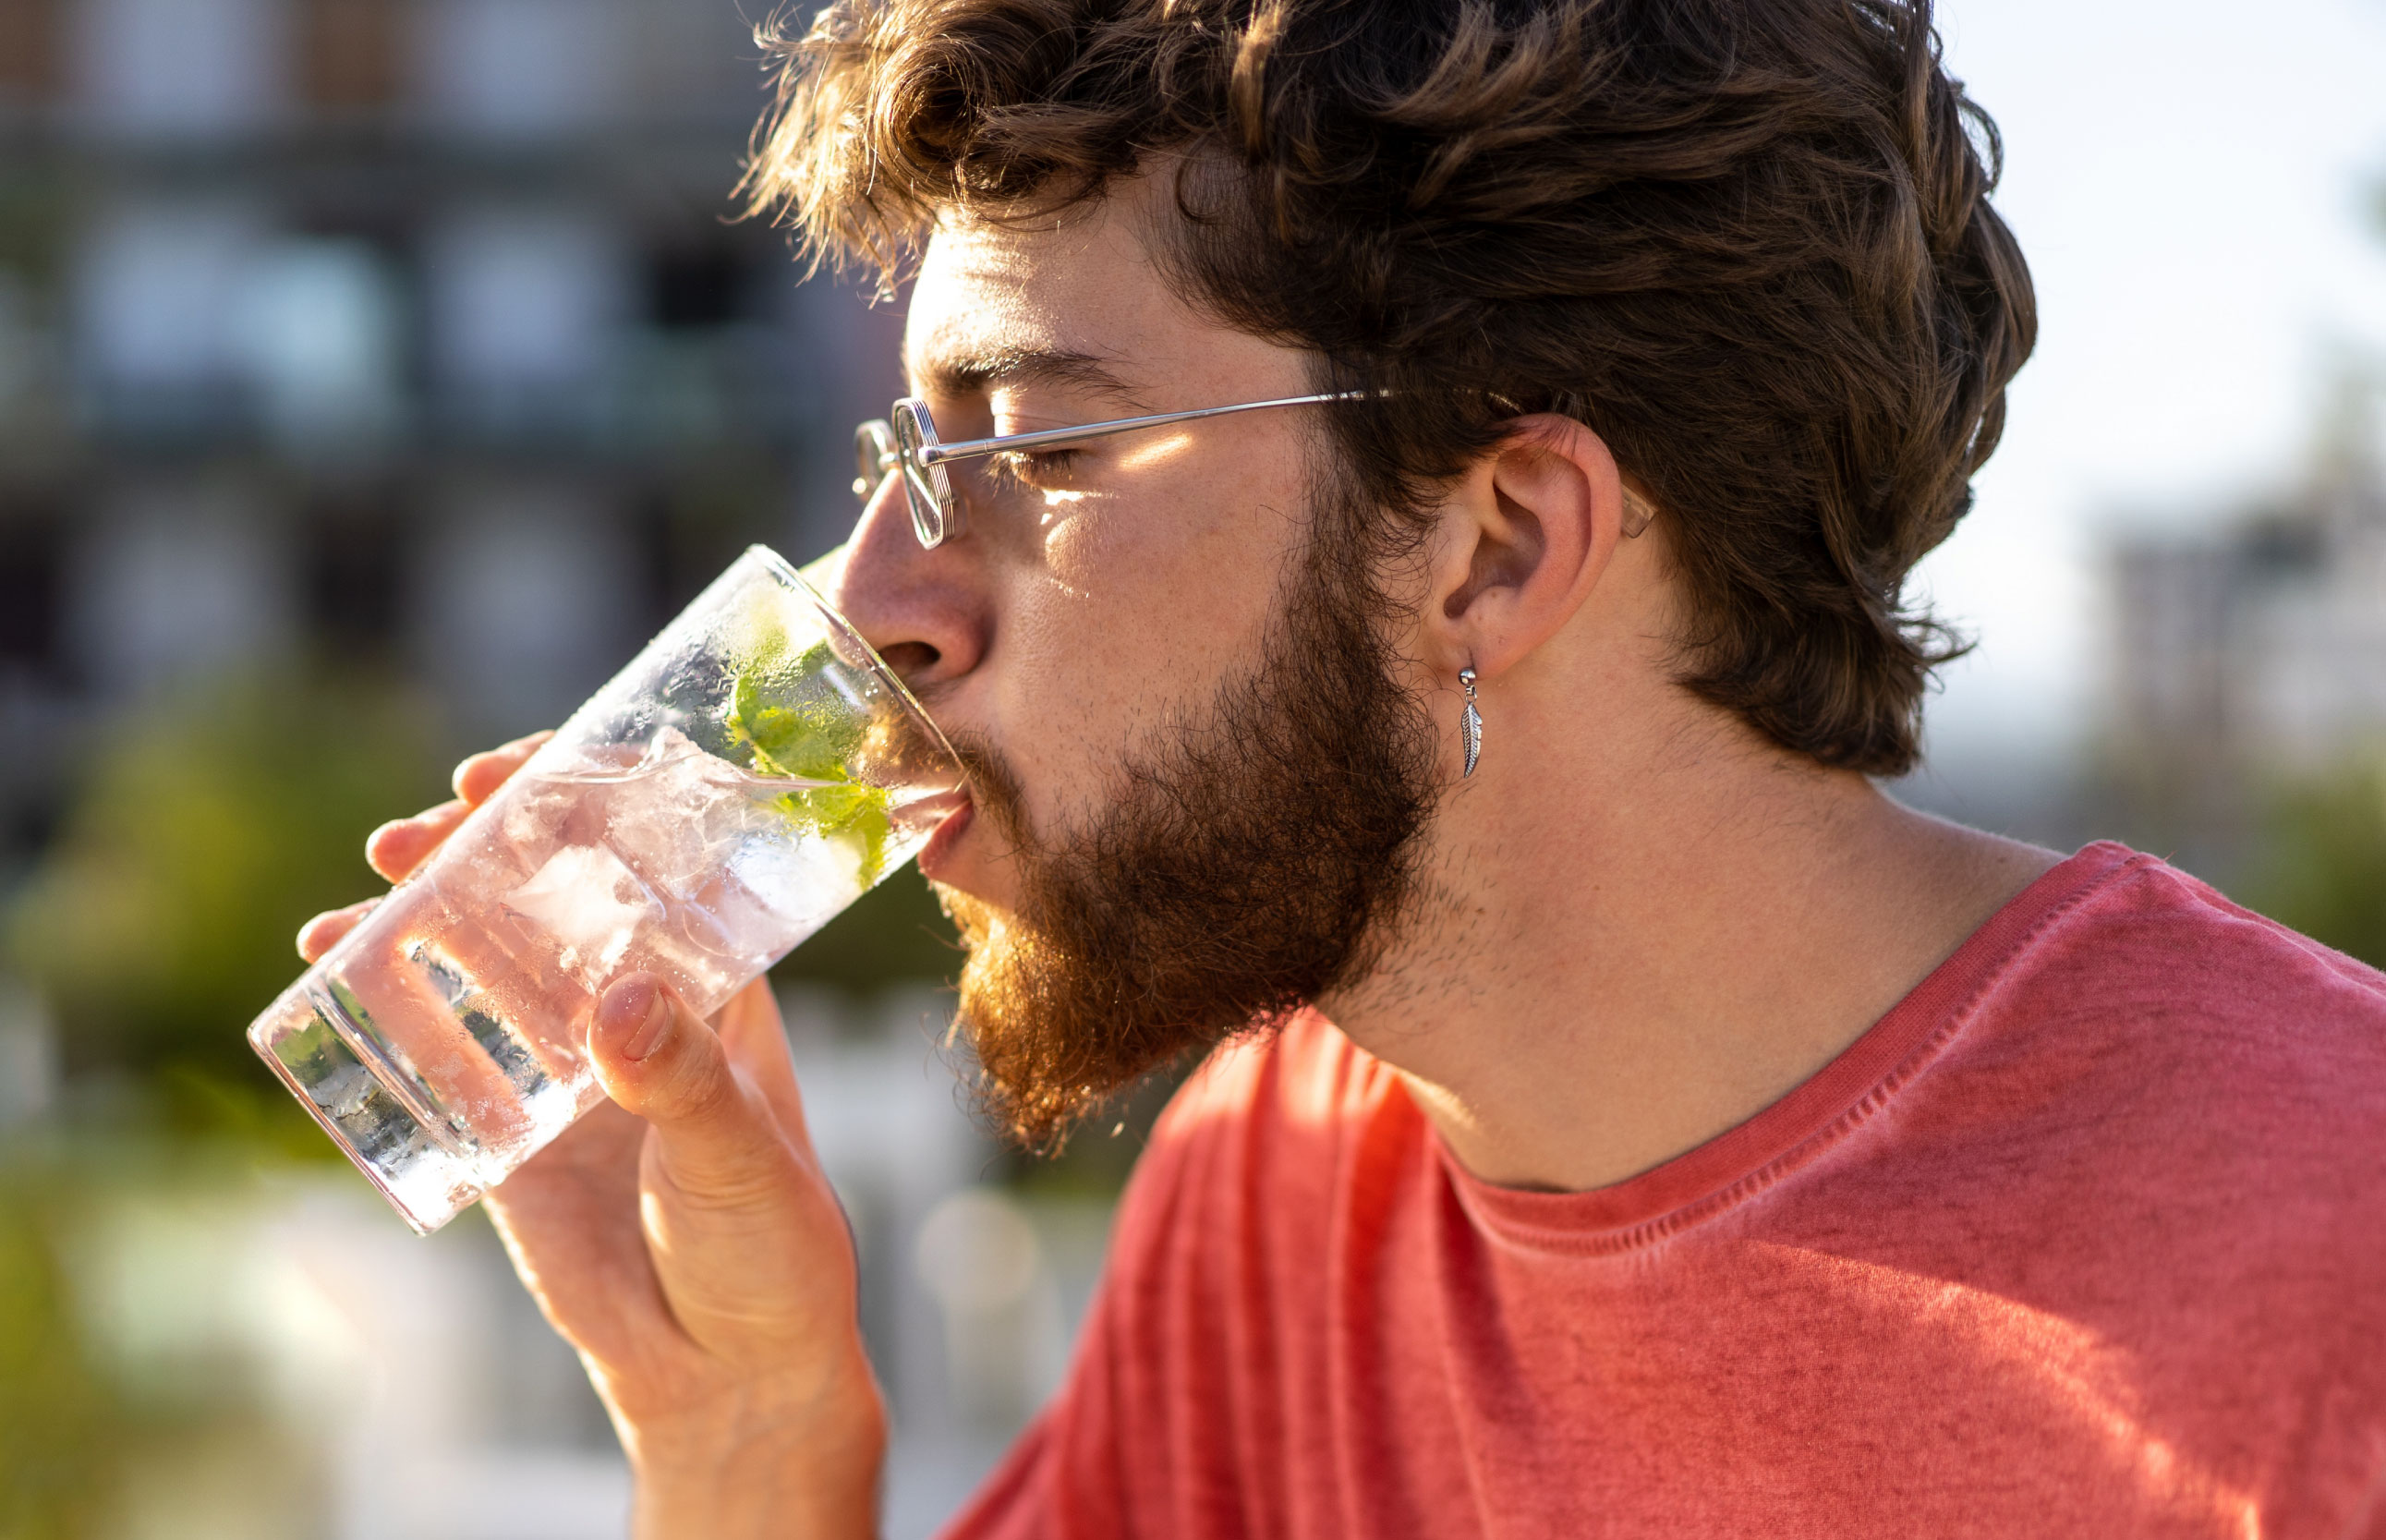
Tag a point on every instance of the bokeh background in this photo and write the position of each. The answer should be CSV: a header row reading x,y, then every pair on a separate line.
x,y
375,375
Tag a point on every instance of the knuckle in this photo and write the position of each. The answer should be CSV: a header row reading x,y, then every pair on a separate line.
x,y
705,1093
745,1176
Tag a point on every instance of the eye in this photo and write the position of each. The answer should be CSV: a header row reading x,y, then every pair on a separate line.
x,y
1032,468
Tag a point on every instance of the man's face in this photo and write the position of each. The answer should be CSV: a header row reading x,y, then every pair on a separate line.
x,y
1095,593
1196,782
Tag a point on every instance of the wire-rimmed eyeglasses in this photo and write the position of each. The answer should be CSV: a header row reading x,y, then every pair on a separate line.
x,y
907,445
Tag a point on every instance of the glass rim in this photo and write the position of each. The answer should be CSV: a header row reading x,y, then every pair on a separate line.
x,y
785,571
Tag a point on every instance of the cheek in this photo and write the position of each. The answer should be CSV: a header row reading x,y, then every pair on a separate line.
x,y
1132,616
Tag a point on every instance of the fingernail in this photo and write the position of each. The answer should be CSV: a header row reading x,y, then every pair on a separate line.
x,y
655,1025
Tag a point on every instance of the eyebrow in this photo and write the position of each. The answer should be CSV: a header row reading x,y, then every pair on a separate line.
x,y
979,373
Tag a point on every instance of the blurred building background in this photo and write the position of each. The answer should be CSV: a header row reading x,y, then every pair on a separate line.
x,y
412,331
374,375
2253,654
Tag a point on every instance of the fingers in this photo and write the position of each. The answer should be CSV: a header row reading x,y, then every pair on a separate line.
x,y
757,1041
402,844
658,1060
324,932
478,777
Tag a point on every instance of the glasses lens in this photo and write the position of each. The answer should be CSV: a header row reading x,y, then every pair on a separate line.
x,y
927,513
873,455
926,487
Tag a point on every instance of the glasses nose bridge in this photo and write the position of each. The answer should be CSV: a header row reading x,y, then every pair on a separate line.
x,y
875,456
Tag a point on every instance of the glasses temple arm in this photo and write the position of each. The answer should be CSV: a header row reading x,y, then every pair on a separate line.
x,y
969,448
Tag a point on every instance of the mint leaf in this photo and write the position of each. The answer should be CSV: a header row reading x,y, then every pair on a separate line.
x,y
810,740
814,740
854,812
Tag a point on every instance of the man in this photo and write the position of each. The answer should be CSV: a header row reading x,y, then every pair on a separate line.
x,y
1619,1118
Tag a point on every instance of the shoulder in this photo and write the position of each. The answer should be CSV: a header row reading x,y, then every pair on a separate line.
x,y
2155,1115
2141,961
2176,1082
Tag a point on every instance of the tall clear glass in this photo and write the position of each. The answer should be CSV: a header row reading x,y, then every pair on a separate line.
x,y
753,771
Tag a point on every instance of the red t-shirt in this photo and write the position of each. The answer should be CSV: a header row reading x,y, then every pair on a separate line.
x,y
2086,1238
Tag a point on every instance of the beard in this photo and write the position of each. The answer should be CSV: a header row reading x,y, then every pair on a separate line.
x,y
1257,857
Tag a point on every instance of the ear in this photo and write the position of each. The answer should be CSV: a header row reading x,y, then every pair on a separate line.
x,y
1524,536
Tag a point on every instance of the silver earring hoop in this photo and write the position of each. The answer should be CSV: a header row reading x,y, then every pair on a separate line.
x,y
1470,724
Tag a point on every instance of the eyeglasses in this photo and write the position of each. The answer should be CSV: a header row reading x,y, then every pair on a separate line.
x,y
908,446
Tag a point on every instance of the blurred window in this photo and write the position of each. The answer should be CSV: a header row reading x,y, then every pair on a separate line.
x,y
193,316
521,68
33,589
350,52
177,582
320,339
160,287
525,311
353,574
697,286
528,600
181,67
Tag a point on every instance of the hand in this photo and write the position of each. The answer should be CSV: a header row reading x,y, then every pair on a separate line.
x,y
684,1238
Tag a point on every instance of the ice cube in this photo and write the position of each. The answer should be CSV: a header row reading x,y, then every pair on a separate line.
x,y
801,877
681,824
535,810
592,904
770,894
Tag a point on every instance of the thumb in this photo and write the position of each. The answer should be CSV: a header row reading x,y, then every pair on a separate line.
x,y
659,1060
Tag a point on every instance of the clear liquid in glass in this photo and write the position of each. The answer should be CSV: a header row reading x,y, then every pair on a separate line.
x,y
442,1043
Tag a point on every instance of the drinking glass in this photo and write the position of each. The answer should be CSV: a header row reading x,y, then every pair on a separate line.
x,y
753,771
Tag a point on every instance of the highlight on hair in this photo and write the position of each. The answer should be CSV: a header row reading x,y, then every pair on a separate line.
x,y
1747,242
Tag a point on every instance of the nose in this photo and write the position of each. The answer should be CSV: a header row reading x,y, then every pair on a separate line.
x,y
925,611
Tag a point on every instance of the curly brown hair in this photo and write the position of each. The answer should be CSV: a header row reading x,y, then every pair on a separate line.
x,y
1747,242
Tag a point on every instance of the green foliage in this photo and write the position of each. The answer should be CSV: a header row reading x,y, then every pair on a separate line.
x,y
2324,868
56,1411
127,1363
203,834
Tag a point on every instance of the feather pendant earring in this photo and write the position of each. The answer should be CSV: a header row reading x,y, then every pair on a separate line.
x,y
1471,725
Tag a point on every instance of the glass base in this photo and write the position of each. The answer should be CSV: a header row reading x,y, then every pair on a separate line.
x,y
383,1115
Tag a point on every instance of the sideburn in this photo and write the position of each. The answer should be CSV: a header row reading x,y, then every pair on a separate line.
x,y
1255,861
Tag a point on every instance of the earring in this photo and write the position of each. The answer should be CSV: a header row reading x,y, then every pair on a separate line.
x,y
1470,724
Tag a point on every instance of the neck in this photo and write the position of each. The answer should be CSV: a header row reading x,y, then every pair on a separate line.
x,y
1627,942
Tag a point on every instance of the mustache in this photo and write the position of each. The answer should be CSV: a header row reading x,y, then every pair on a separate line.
x,y
994,786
